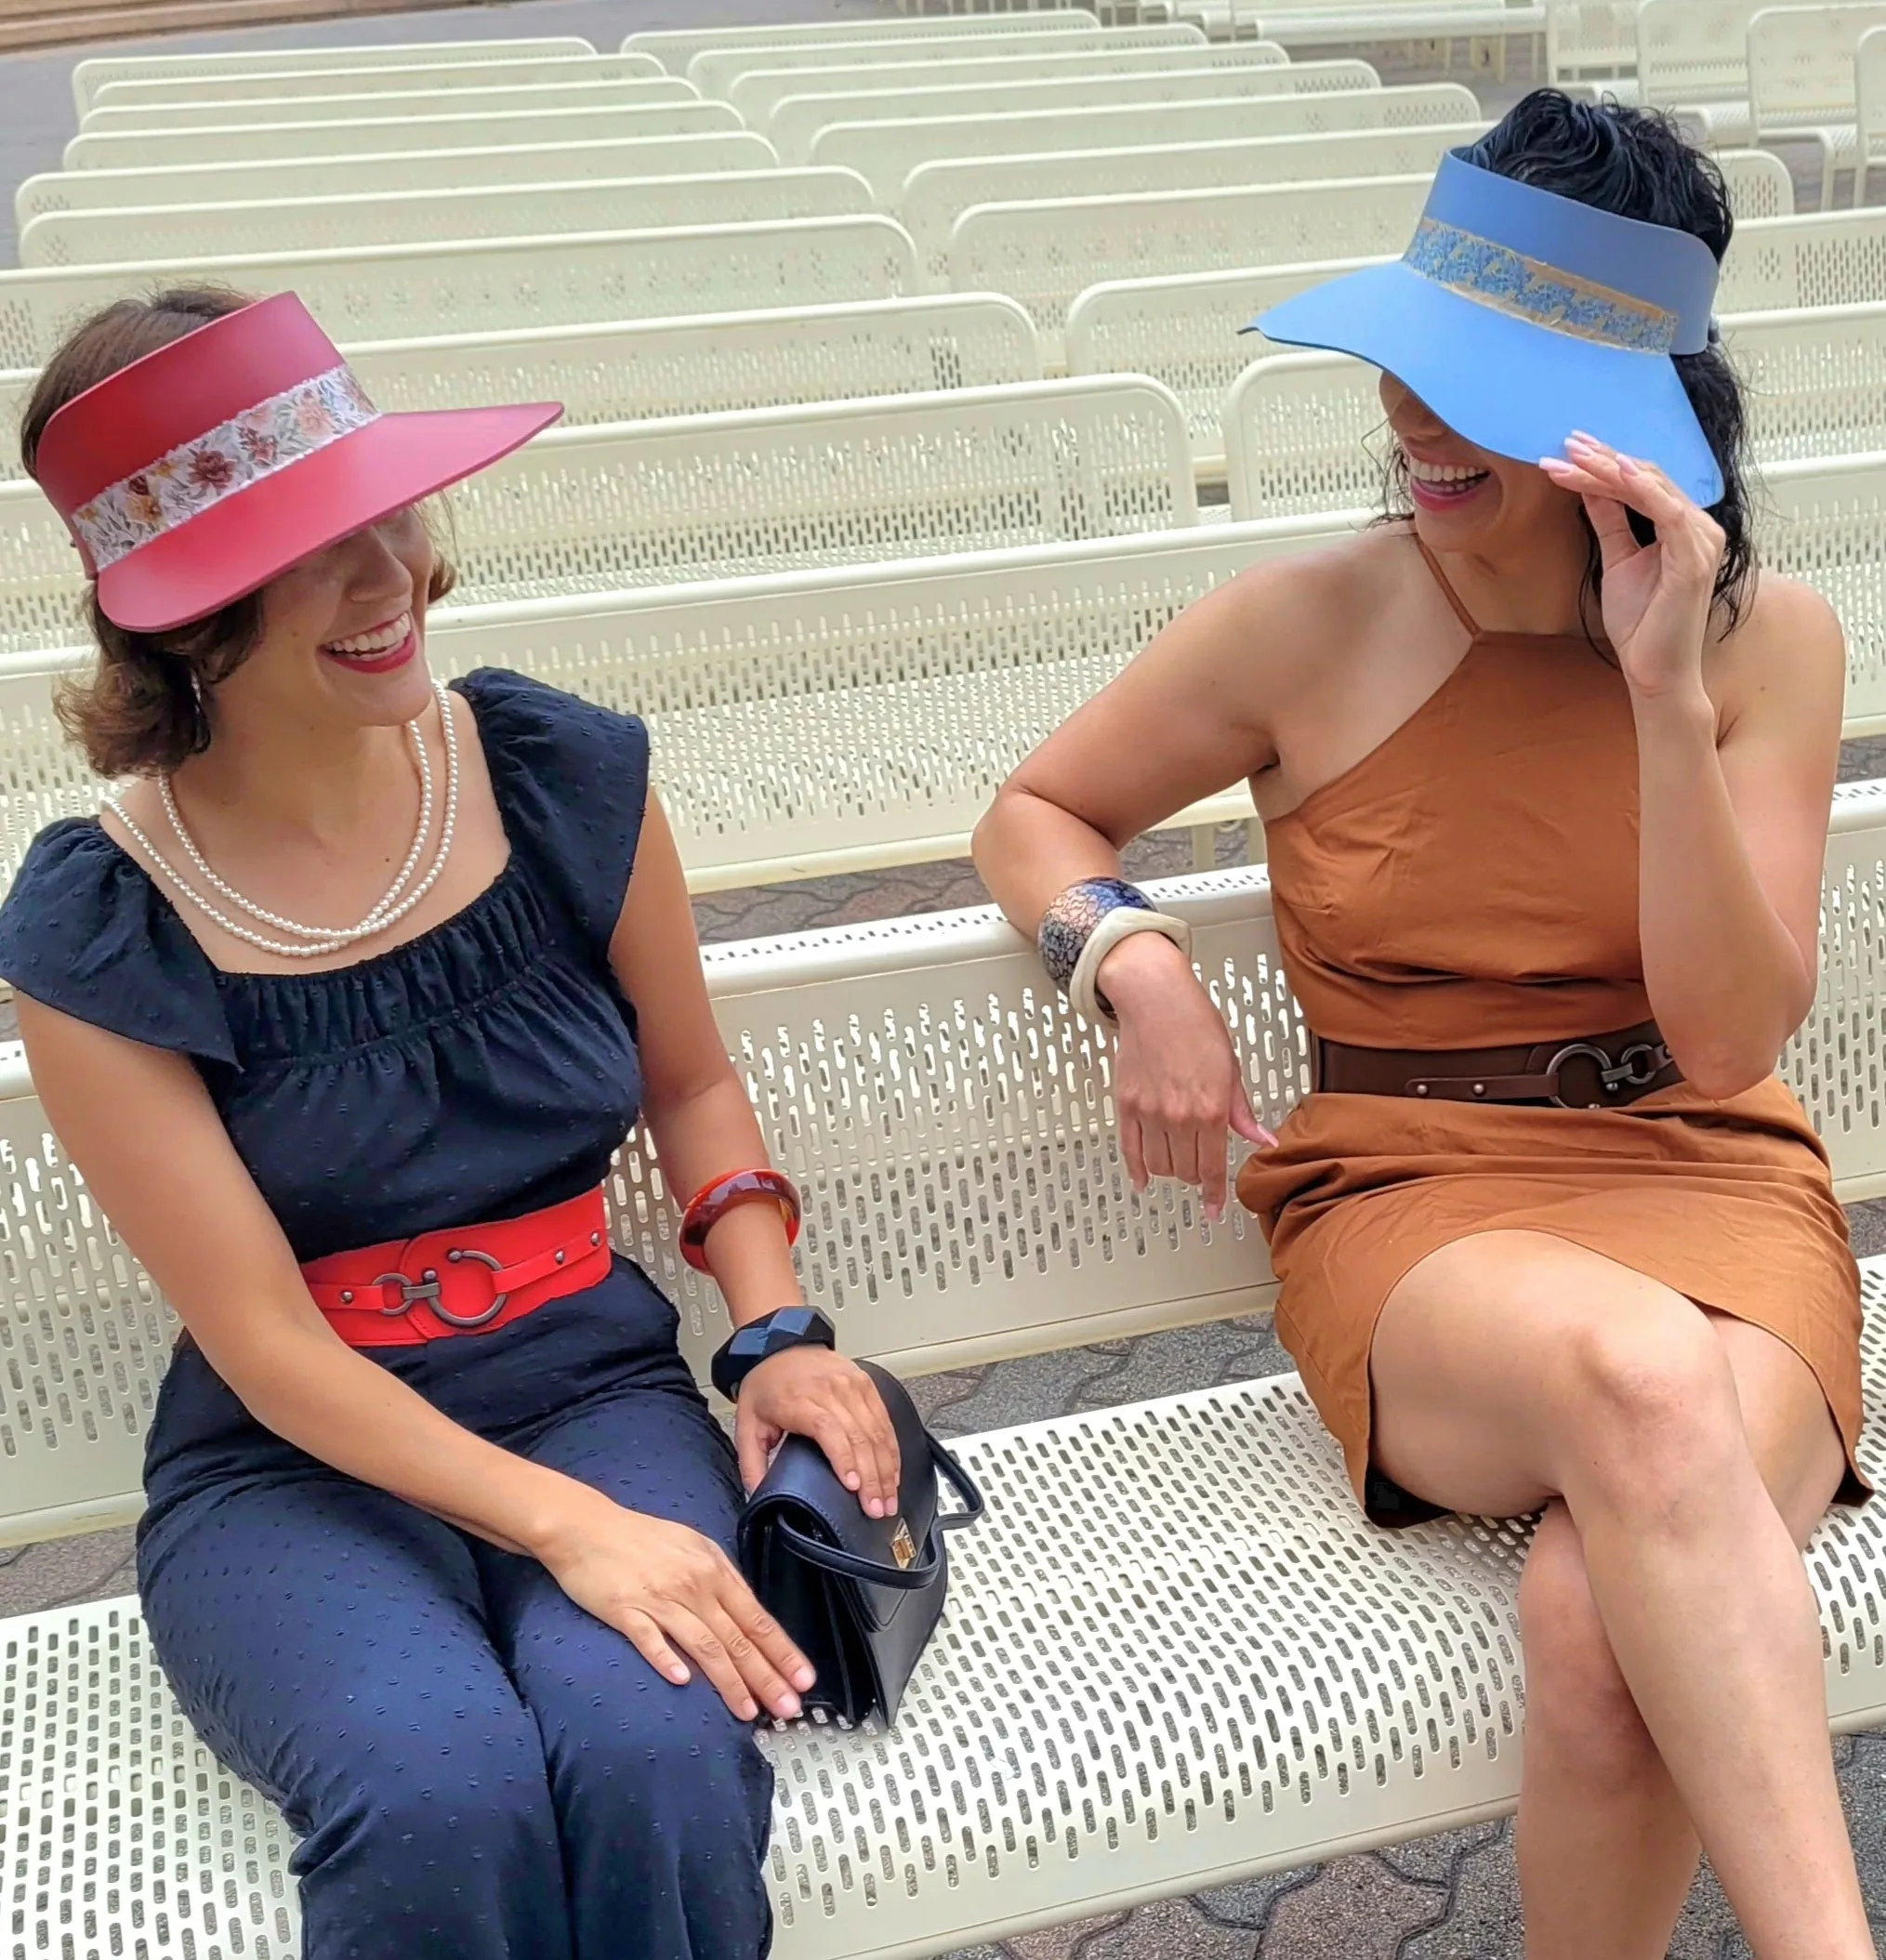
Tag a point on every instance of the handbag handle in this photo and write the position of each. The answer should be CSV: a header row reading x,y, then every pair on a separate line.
x,y
903,1579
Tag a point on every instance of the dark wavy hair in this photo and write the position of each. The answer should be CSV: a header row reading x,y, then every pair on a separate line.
x,y
145,708
1636,163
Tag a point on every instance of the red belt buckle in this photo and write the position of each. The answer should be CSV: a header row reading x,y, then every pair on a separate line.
x,y
467,1281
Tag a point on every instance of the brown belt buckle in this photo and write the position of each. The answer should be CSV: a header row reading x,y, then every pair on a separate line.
x,y
1636,1068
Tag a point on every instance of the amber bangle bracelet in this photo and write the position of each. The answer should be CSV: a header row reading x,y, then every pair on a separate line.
x,y
715,1199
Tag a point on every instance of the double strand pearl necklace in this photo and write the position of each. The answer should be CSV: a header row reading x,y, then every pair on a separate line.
x,y
312,942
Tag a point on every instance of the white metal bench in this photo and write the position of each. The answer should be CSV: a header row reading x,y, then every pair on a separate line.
x,y
714,153
633,370
1485,26
873,709
1174,1655
388,292
936,194
595,509
419,217
676,47
148,148
1693,56
718,70
1046,253
543,71
756,93
799,119
886,153
1869,90
1801,81
175,118
94,74
1591,39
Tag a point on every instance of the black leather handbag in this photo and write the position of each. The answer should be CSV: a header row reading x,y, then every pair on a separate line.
x,y
860,1596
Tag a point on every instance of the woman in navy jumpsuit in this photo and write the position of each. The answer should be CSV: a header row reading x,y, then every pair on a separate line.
x,y
504,1695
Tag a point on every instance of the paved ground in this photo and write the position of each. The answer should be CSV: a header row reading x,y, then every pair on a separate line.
x,y
1450,1898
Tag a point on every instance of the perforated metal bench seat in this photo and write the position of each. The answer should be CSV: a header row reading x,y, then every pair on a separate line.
x,y
1175,1656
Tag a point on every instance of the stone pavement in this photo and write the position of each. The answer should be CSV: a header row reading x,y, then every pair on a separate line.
x,y
1449,1898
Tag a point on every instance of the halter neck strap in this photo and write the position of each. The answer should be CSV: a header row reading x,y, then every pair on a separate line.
x,y
1448,591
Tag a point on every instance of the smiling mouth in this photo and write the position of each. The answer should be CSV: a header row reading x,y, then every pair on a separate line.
x,y
1437,486
377,650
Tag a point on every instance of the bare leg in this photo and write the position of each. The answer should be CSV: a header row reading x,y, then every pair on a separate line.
x,y
1514,1368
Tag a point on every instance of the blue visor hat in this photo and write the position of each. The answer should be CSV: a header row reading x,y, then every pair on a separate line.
x,y
1519,316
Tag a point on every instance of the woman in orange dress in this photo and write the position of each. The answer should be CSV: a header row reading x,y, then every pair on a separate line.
x,y
1545,775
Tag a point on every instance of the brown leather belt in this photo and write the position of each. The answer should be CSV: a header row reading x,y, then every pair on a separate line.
x,y
1598,1071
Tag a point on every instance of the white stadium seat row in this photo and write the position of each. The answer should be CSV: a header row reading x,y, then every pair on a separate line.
x,y
538,71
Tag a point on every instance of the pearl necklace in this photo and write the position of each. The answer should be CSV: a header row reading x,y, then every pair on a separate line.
x,y
316,941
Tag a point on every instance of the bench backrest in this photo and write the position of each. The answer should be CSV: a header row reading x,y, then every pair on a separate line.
x,y
1696,51
1869,72
854,669
1586,39
1046,253
387,292
945,1116
92,75
711,154
1818,258
1759,183
592,509
674,47
799,118
176,118
72,237
148,149
757,92
1801,64
888,154
936,194
633,370
716,70
156,92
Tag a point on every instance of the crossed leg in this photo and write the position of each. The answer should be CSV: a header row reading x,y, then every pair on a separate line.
x,y
1675,1696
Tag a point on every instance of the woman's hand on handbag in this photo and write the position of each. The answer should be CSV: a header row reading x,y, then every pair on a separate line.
x,y
812,1392
676,1594
1177,1085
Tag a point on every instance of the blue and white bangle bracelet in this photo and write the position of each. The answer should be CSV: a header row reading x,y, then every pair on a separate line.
x,y
1085,924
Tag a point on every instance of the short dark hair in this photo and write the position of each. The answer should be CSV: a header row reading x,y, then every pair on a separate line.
x,y
143,711
1638,163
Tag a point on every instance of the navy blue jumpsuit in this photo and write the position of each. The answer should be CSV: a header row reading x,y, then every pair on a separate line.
x,y
475,1766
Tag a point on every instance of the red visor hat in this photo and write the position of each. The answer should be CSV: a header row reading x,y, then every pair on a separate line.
x,y
195,475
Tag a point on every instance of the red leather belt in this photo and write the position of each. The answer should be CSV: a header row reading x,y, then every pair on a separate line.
x,y
472,1280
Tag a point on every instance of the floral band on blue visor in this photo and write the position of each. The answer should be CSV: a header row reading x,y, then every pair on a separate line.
x,y
1493,275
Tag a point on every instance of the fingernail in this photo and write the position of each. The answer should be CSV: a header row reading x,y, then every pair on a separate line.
x,y
1625,467
679,1676
876,1507
851,1479
1578,435
803,1678
789,1706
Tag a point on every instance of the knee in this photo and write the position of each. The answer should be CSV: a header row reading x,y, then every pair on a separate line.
x,y
1653,1405
663,1765
462,1801
1579,1710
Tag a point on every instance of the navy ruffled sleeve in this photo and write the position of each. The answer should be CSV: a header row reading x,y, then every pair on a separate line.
x,y
85,930
573,785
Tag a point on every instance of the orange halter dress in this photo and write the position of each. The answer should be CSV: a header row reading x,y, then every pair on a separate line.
x,y
1472,882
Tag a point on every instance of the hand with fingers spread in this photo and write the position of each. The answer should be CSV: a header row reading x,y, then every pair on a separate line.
x,y
1656,597
1178,1089
678,1597
812,1392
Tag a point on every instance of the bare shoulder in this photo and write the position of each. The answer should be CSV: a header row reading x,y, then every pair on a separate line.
x,y
1304,605
1786,654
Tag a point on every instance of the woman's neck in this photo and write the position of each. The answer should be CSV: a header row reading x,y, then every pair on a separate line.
x,y
1535,586
321,783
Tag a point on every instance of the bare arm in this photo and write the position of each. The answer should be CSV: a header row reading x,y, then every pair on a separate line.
x,y
703,1125
1733,824
1186,719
